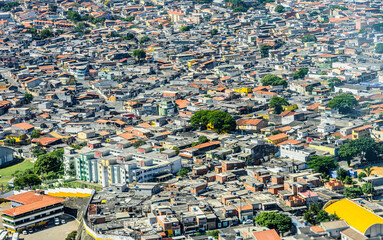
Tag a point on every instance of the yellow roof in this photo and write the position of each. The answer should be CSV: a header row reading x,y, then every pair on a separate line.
x,y
355,215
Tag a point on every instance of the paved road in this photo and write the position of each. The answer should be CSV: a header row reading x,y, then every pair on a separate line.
x,y
54,232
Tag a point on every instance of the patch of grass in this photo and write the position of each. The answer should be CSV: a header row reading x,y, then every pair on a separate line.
x,y
9,170
4,180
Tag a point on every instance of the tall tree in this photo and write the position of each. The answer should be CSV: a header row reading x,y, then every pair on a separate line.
x,y
277,103
345,103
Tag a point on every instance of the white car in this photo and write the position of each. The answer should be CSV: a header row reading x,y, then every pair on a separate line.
x,y
62,221
57,221
25,232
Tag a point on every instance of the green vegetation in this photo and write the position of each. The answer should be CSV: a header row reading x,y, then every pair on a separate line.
x,y
378,27
315,215
265,50
361,176
214,32
309,38
185,28
46,33
53,8
201,139
138,143
379,48
279,9
144,39
322,165
50,163
352,192
277,103
19,167
273,80
129,18
213,234
129,36
28,97
367,188
26,179
368,171
139,53
218,120
345,103
280,222
71,236
341,174
6,7
183,172
365,148
177,149
339,7
240,9
301,73
36,133
333,82
38,150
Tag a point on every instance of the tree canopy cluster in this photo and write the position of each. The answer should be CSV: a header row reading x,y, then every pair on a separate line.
x,y
309,38
219,120
315,215
322,164
344,103
301,73
277,103
265,50
279,9
379,48
273,80
366,148
278,221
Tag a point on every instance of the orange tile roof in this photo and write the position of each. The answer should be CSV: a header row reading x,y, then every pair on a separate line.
x,y
31,201
278,136
24,126
251,121
267,235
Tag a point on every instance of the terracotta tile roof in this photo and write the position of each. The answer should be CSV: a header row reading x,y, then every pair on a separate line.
x,y
278,136
267,235
24,126
251,121
31,201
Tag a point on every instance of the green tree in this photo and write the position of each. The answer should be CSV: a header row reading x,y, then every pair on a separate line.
x,y
129,36
202,139
214,32
26,180
333,82
49,162
322,164
28,97
368,170
280,222
301,73
345,103
74,16
367,188
279,9
219,120
273,80
309,38
240,9
144,39
352,192
53,8
138,143
361,176
342,174
36,133
177,149
71,236
379,48
378,27
185,28
139,53
277,103
324,216
348,180
366,148
265,50
213,234
38,150
183,172
129,19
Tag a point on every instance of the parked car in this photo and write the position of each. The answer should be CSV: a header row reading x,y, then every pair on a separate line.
x,y
57,221
63,221
25,232
30,230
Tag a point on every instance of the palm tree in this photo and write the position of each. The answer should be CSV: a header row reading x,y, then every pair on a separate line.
x,y
368,170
